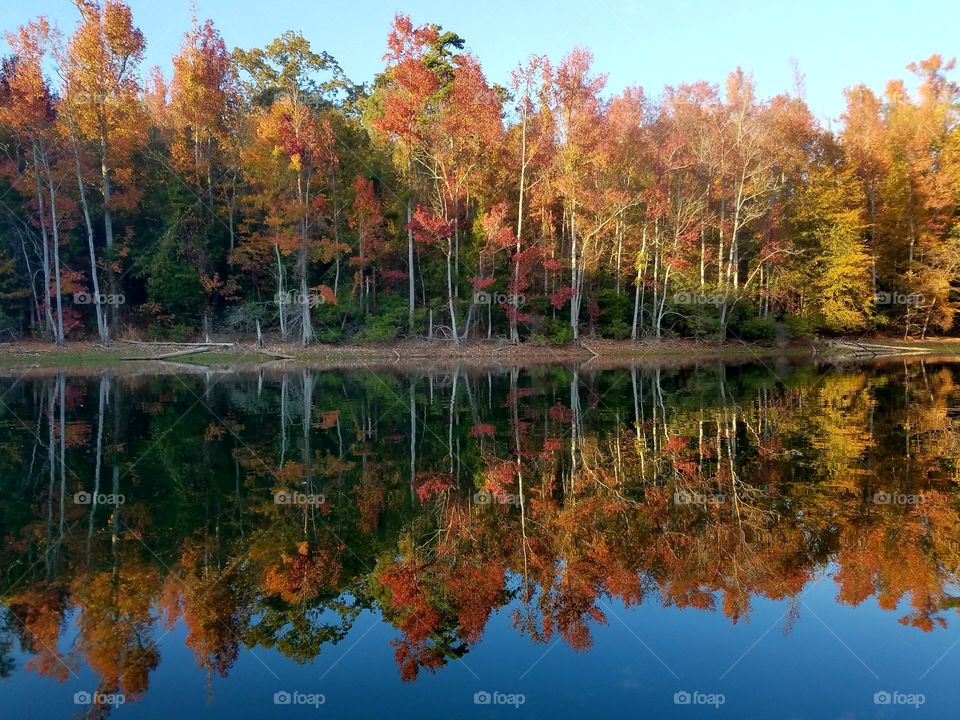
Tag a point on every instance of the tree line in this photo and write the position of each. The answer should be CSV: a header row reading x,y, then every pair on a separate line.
x,y
263,190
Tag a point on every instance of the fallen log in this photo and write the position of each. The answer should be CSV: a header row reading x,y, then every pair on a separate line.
x,y
274,354
178,344
855,348
589,349
164,356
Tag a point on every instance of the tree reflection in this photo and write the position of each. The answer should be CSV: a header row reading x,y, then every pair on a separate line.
x,y
435,500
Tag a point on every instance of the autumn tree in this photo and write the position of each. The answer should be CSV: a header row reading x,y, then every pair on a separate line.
x,y
101,89
28,109
830,220
443,117
293,159
204,101
366,220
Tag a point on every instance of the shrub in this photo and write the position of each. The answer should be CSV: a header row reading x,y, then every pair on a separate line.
x,y
553,332
757,329
799,326
181,332
616,314
387,322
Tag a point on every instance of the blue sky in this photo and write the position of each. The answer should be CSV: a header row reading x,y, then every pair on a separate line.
x,y
835,43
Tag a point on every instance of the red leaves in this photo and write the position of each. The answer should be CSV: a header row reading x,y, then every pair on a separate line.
x,y
500,478
405,40
327,420
305,139
411,609
429,228
326,293
472,116
405,103
483,429
306,573
365,215
429,484
676,443
26,102
416,81
559,298
559,413
482,283
495,229
409,81
392,277
551,445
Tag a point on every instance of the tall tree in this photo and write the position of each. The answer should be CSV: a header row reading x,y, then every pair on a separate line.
x,y
102,88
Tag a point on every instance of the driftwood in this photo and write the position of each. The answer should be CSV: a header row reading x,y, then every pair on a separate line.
x,y
177,353
179,344
855,348
274,354
589,349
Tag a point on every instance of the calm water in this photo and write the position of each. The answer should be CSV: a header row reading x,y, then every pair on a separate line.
x,y
755,540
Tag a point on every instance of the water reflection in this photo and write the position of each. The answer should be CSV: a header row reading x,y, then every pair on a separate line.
x,y
269,510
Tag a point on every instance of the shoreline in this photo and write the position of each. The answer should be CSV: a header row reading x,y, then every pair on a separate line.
x,y
225,351
406,354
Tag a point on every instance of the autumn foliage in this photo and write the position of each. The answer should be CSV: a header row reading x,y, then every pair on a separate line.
x,y
261,188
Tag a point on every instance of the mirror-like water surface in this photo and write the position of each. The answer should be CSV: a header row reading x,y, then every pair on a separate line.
x,y
748,540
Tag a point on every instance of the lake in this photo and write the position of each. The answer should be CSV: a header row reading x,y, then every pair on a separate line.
x,y
766,539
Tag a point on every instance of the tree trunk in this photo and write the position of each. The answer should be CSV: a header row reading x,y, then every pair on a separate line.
x,y
102,329
281,298
41,208
413,441
307,334
37,316
574,279
453,310
55,225
411,298
108,226
514,334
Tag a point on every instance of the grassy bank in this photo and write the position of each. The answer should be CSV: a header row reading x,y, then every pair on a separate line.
x,y
37,354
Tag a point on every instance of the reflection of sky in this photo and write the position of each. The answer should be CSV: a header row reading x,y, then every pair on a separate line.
x,y
824,669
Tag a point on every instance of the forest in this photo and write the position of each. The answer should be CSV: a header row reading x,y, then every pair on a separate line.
x,y
261,190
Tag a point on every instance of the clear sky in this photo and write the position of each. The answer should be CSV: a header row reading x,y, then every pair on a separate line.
x,y
835,43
